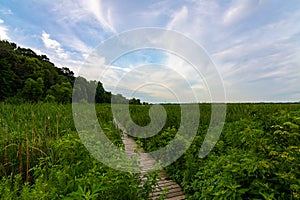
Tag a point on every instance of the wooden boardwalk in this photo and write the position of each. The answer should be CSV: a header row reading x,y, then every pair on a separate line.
x,y
169,187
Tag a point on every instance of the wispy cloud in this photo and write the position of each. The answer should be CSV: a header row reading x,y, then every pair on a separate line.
x,y
6,11
239,10
3,31
103,16
54,45
178,18
60,56
254,44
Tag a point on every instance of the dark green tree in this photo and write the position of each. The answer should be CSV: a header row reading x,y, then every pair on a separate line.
x,y
135,101
66,72
102,96
33,90
27,76
7,80
61,92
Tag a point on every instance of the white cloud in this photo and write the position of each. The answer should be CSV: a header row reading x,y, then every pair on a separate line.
x,y
178,18
37,51
239,10
79,27
3,31
154,82
255,44
195,76
199,20
54,45
104,18
90,12
250,54
264,46
49,43
168,80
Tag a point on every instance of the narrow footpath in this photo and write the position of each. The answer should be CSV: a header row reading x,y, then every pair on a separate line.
x,y
173,190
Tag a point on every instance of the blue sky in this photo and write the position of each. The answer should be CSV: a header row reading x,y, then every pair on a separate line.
x,y
255,44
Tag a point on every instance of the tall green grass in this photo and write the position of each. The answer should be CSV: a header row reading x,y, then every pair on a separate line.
x,y
27,132
42,157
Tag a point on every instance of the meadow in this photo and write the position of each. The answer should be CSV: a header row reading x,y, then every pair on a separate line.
x,y
42,157
256,157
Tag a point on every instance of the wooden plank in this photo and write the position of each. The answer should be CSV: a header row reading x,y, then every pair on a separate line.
x,y
175,194
170,191
170,187
180,197
147,162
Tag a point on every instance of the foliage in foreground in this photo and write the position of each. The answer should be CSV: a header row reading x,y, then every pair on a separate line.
x,y
42,157
256,157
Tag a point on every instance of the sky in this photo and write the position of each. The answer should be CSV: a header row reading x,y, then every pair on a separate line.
x,y
254,44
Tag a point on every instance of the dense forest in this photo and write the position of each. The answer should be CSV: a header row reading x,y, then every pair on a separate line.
x,y
28,77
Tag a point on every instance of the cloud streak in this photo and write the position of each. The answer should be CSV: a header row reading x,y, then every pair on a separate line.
x,y
254,44
239,10
104,18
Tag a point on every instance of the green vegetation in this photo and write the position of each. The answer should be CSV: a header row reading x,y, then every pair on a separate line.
x,y
256,157
42,157
28,77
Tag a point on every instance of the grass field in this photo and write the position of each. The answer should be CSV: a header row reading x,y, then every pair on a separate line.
x,y
256,157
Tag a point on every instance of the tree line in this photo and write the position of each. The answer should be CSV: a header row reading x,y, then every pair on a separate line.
x,y
28,77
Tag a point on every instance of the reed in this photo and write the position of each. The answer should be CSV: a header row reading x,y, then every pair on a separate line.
x,y
26,134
